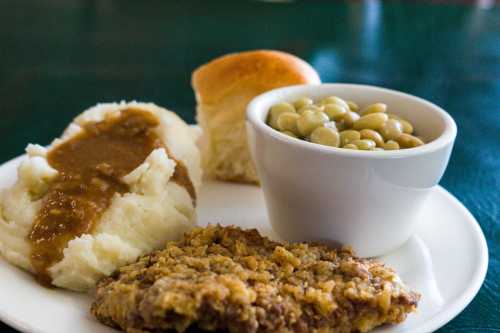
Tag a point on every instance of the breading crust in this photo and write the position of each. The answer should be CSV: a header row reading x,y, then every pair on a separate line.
x,y
229,279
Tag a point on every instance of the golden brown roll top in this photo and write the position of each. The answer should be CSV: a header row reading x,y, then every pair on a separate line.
x,y
223,88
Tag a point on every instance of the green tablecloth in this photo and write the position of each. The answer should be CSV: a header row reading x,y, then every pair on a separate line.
x,y
59,57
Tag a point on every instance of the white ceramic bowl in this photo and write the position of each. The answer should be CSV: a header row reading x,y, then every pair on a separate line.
x,y
368,199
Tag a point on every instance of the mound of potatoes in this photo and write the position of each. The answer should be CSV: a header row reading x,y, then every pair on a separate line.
x,y
338,123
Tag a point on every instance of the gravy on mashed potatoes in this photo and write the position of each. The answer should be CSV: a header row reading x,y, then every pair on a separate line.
x,y
91,166
119,183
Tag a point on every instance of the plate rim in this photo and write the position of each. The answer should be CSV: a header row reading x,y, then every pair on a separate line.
x,y
447,314
455,307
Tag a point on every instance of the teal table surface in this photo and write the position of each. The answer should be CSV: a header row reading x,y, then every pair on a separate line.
x,y
58,57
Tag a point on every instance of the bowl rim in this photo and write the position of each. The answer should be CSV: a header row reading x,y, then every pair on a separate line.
x,y
254,112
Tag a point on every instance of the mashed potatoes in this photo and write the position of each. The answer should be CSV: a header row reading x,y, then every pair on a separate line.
x,y
153,210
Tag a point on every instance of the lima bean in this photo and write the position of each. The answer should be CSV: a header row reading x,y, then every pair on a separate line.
x,y
309,121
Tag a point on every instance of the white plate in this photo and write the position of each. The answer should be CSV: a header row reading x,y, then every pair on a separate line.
x,y
446,261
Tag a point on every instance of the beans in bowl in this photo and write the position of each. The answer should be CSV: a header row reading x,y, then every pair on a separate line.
x,y
338,123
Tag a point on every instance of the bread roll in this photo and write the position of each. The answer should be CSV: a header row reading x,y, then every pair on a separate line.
x,y
223,88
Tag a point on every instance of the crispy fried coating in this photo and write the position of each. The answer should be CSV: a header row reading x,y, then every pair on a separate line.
x,y
228,279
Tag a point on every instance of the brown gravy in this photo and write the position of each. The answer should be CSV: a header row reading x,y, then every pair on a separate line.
x,y
91,166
